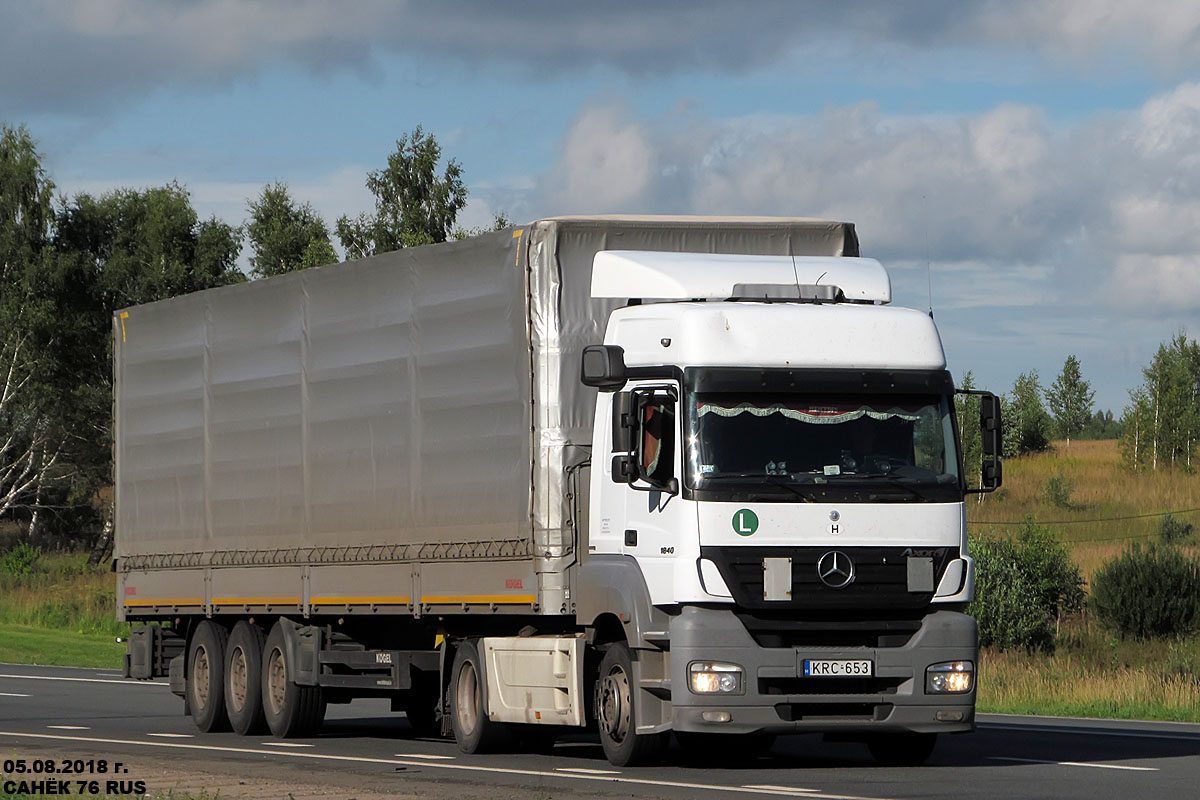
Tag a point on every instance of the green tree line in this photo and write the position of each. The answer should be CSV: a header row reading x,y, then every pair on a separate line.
x,y
67,263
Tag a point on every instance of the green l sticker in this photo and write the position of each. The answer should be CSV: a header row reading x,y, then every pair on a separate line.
x,y
745,522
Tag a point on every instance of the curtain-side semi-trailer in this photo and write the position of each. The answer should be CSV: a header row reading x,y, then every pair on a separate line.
x,y
646,474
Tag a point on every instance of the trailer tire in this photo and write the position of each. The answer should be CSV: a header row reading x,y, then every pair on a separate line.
x,y
616,713
243,679
902,749
474,732
290,710
206,677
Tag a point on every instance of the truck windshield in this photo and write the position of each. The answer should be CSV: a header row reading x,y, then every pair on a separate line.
x,y
866,448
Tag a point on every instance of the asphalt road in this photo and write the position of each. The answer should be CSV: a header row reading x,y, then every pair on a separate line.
x,y
365,752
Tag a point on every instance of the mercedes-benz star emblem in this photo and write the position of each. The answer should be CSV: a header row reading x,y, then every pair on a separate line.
x,y
834,516
835,569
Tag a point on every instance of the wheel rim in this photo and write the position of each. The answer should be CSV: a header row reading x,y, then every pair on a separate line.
x,y
239,683
276,680
613,705
467,699
200,677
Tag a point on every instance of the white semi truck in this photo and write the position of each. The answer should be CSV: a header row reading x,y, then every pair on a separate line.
x,y
638,474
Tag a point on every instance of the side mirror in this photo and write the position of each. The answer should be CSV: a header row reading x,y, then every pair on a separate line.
x,y
624,421
603,366
991,429
990,424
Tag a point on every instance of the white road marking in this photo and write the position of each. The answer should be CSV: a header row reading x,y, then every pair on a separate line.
x,y
83,680
537,773
172,735
430,756
12,694
773,787
1064,730
1075,764
285,744
586,771
69,727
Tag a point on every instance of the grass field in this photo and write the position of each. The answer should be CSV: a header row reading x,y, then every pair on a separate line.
x,y
1091,673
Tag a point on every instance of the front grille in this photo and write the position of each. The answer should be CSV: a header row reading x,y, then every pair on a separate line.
x,y
829,629
880,577
795,687
795,712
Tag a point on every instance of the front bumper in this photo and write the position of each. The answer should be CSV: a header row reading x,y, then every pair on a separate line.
x,y
778,699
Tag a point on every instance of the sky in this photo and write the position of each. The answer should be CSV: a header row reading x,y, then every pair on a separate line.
x,y
1031,168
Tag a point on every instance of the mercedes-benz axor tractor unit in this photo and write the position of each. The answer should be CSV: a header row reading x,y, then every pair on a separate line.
x,y
641,475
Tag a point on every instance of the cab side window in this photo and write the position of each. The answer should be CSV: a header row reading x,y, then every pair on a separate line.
x,y
656,440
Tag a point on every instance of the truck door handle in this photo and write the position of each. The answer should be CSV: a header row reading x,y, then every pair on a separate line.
x,y
630,538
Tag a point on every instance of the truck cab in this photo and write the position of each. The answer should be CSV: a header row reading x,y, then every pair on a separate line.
x,y
777,471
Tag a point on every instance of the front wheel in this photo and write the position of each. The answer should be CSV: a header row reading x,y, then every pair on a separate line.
x,y
902,749
615,713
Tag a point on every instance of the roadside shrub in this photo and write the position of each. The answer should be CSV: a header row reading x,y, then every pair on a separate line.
x,y
20,561
1173,530
1022,586
1148,592
1058,490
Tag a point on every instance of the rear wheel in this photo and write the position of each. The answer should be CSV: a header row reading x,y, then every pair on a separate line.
x,y
473,730
243,679
902,749
290,710
615,713
206,677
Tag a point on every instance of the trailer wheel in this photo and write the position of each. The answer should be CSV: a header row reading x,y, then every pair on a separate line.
x,y
473,730
902,749
243,679
290,710
616,715
206,677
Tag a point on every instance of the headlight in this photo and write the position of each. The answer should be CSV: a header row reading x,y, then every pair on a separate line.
x,y
950,677
710,677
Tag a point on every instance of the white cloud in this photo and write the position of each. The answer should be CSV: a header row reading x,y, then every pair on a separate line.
x,y
1087,213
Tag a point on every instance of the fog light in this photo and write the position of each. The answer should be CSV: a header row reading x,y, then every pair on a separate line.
x,y
710,677
715,716
950,677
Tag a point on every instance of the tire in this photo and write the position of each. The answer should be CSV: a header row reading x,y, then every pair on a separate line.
x,y
206,677
902,749
616,713
290,710
421,704
730,746
243,679
474,732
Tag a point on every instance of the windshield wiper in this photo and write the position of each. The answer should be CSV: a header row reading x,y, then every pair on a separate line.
x,y
782,481
893,482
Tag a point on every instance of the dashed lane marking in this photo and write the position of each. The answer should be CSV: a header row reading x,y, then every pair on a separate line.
x,y
69,727
587,771
12,694
537,773
775,788
172,735
82,680
1097,765
285,744
430,756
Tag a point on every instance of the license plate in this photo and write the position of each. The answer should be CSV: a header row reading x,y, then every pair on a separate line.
x,y
839,668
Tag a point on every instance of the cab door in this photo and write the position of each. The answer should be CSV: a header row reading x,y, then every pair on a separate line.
x,y
655,519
